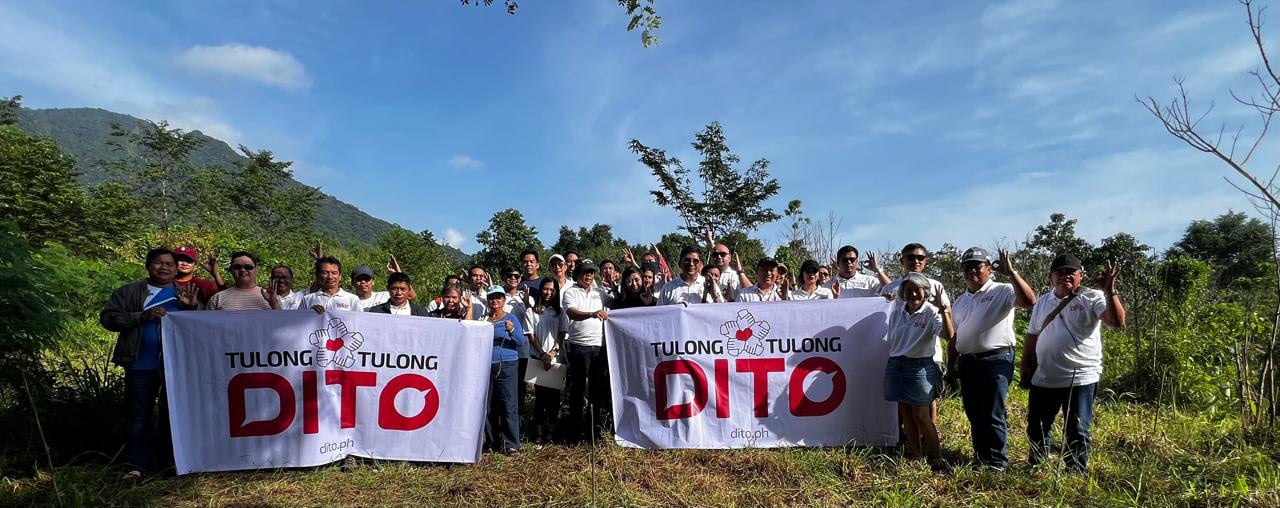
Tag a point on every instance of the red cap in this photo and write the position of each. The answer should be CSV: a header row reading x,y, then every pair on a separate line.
x,y
189,252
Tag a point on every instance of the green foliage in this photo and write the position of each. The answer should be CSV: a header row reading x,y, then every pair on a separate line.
x,y
420,257
154,160
37,188
1240,246
640,13
596,244
1059,237
9,108
729,200
506,237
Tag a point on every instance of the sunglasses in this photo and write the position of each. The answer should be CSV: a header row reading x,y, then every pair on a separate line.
x,y
914,257
692,261
719,254
513,276
243,267
852,259
1065,271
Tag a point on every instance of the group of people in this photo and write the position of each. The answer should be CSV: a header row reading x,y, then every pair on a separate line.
x,y
558,319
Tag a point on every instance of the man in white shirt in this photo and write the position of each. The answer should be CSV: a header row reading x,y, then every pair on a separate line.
x,y
1062,358
766,286
689,287
849,282
282,280
982,354
398,303
730,278
330,296
587,381
362,281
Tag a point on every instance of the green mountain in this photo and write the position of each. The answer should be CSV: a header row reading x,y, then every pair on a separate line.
x,y
83,132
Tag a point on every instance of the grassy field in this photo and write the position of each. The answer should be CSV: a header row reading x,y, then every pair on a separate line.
x,y
1179,460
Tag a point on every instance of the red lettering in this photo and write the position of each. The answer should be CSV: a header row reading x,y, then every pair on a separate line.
x,y
801,405
253,381
310,404
688,409
760,369
350,382
390,418
722,388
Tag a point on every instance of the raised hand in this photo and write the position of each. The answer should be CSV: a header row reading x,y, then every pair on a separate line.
x,y
711,240
316,252
936,298
872,263
835,288
393,266
1109,278
189,296
629,257
1004,263
210,263
271,297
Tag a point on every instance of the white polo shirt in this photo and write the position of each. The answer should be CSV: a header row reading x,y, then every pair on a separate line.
x,y
375,298
755,294
403,310
858,286
677,291
590,331
892,289
914,335
984,319
292,301
819,293
730,283
1069,350
342,300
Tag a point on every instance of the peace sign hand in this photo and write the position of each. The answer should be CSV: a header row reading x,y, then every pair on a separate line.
x,y
628,256
1004,264
210,262
393,266
1109,278
316,251
189,296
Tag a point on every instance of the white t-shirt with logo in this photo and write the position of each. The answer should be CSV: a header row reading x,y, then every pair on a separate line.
x,y
1069,350
375,298
755,294
590,331
984,319
342,300
819,293
914,335
860,285
677,291
291,301
892,289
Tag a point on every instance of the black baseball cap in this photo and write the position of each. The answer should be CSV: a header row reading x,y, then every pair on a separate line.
x,y
1065,261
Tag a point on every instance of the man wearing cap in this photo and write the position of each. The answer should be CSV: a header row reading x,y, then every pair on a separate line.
x,y
398,303
362,280
187,259
766,286
810,288
982,354
560,273
588,376
849,282
689,287
330,296
1062,357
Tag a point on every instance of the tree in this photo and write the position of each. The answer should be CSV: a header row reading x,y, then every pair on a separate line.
x,y
1234,244
640,12
1059,237
154,160
262,189
729,200
597,243
420,257
38,192
506,237
9,109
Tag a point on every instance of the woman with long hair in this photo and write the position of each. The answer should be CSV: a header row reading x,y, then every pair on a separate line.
x,y
636,289
545,318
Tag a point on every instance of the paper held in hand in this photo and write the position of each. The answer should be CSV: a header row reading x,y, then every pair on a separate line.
x,y
539,375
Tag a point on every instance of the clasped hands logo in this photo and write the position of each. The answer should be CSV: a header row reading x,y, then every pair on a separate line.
x,y
744,334
335,344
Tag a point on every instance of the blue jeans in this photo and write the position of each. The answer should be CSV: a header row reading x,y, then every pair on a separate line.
x,y
1076,402
984,384
141,390
502,429
586,382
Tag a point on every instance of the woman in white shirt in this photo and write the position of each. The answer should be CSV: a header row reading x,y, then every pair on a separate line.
x,y
810,284
911,377
545,319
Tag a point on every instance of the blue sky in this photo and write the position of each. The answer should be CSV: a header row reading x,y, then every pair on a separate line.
x,y
961,122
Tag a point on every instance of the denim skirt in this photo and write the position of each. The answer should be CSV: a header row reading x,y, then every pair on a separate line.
x,y
916,381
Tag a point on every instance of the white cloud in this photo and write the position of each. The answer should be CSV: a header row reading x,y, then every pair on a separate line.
x,y
253,63
55,57
453,238
465,162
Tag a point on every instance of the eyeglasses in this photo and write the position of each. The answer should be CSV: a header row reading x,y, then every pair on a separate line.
x,y
246,268
719,254
852,259
362,279
1066,271
692,261
915,257
513,276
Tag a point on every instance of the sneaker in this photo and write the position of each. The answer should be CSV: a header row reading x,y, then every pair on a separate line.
x,y
132,476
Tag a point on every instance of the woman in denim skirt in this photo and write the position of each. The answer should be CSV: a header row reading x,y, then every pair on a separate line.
x,y
911,378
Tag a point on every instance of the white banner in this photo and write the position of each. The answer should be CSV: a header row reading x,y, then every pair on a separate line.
x,y
737,375
272,389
